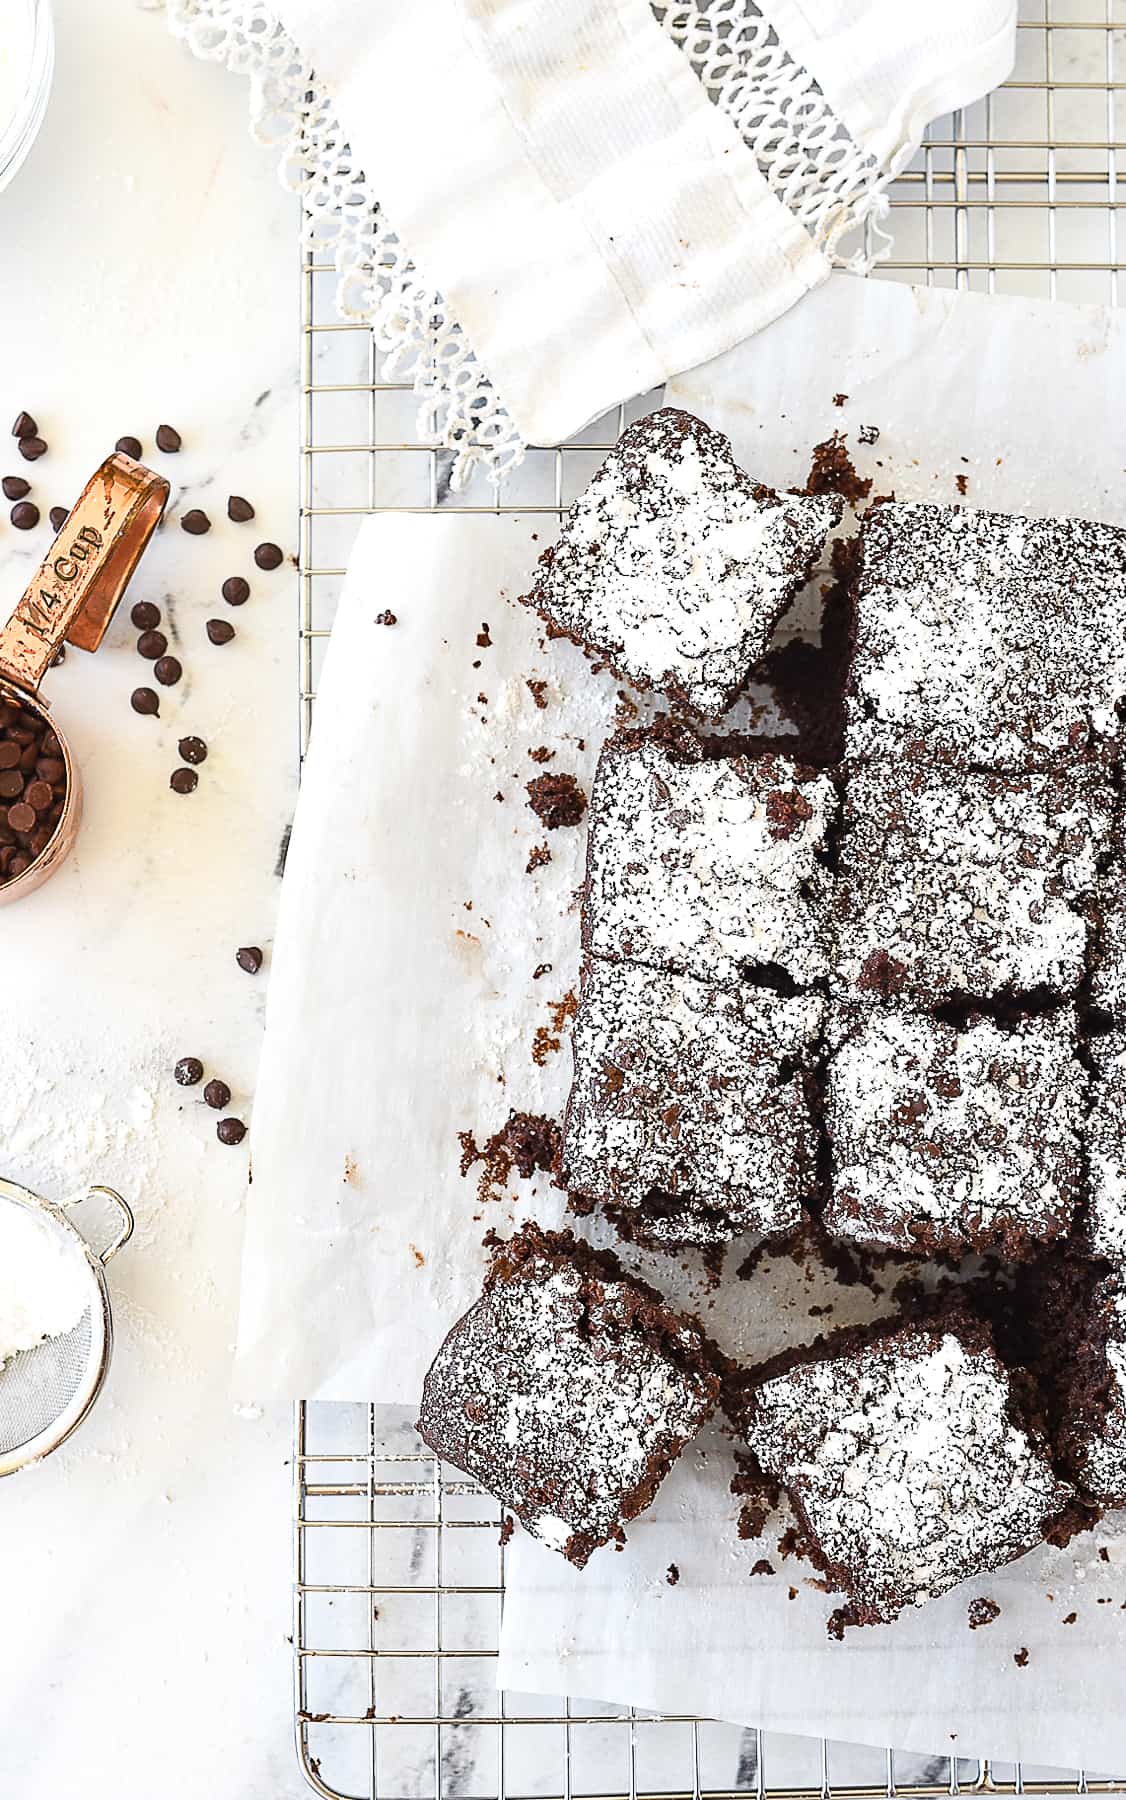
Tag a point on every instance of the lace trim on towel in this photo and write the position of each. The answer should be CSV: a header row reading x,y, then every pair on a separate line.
x,y
293,113
806,156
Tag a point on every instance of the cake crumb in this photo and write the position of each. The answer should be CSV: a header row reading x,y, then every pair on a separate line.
x,y
541,754
868,434
839,399
540,970
831,471
484,641
673,1575
539,855
1021,1658
525,1142
507,1527
1070,1618
982,1612
762,1567
419,1259
386,618
538,691
351,1171
961,482
556,800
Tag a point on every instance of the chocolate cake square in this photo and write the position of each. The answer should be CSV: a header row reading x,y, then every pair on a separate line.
x,y
987,638
907,1460
1108,973
706,863
1106,1150
567,1390
674,566
689,1119
968,883
1073,1313
949,1138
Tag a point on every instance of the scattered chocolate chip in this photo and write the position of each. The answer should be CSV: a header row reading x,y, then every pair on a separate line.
x,y
217,1094
168,439
386,618
144,700
188,1071
249,958
15,487
31,448
239,510
230,1131
167,670
268,556
25,515
151,644
24,426
236,591
129,446
195,522
145,616
58,516
220,631
192,749
183,781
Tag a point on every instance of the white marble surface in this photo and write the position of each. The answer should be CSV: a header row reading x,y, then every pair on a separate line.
x,y
149,263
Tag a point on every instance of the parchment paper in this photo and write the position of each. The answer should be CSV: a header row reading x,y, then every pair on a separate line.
x,y
405,1008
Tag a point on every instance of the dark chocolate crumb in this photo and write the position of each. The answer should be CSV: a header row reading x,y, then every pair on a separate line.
x,y
982,1612
540,970
868,434
831,471
507,1527
762,1567
538,691
1070,1618
556,800
539,855
961,482
1021,1658
839,399
484,641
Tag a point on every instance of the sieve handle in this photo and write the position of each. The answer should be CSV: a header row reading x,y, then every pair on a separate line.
x,y
126,1229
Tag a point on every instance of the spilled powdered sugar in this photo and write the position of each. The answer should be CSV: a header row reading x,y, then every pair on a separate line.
x,y
552,1396
905,1460
988,638
968,885
688,1110
675,565
946,1137
707,866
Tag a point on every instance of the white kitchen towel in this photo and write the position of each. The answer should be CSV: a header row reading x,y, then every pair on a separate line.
x,y
546,207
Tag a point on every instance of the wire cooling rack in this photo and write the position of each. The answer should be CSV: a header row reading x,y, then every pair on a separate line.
x,y
399,1568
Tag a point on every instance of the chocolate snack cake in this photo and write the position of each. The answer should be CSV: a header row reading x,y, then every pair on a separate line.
x,y
568,1390
907,1460
674,566
706,863
986,639
966,885
689,1118
949,1138
1106,1150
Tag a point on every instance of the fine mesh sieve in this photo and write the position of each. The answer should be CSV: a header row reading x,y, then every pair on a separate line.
x,y
47,1390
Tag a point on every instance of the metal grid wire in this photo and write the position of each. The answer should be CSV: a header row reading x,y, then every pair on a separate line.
x,y
399,1571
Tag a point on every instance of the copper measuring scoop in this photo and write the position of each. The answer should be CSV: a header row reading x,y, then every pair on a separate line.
x,y
73,598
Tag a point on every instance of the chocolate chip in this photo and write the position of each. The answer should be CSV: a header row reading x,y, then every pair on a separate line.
x,y
249,958
21,816
50,768
217,1094
25,515
230,1131
129,446
17,865
144,700
183,781
145,616
11,784
220,631
31,448
239,510
236,591
192,749
9,754
188,1071
167,670
168,439
15,487
39,796
24,426
151,644
58,516
268,556
195,522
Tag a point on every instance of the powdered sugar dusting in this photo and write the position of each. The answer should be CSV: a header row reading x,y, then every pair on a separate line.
x,y
970,885
988,638
675,565
707,865
1106,1151
946,1138
688,1110
906,1461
